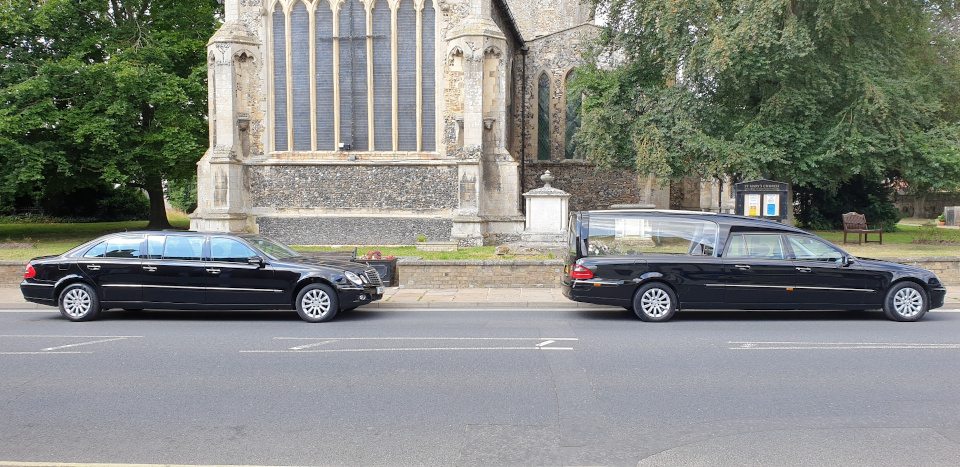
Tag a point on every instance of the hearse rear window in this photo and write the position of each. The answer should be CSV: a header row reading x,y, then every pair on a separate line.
x,y
634,235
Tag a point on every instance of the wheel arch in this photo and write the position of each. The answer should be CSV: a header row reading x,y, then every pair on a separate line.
x,y
70,280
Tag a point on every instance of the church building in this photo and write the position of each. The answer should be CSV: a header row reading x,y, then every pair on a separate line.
x,y
381,121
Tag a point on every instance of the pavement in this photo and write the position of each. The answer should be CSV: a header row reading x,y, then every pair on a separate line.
x,y
408,298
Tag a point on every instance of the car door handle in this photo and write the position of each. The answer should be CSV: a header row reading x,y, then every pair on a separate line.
x,y
150,268
742,266
803,269
93,267
213,271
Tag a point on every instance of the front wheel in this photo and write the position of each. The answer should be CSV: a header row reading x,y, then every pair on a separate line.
x,y
317,303
906,301
655,302
79,302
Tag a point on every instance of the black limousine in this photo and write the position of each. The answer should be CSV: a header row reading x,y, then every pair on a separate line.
x,y
657,262
194,270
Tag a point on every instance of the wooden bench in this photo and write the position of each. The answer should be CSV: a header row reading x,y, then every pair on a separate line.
x,y
857,223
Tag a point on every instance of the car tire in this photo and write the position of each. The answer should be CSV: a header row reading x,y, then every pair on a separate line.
x,y
655,302
906,301
317,303
79,302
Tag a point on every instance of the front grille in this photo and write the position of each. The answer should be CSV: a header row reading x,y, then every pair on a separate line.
x,y
373,278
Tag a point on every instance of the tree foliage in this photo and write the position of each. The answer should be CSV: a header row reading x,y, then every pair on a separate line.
x,y
102,90
817,93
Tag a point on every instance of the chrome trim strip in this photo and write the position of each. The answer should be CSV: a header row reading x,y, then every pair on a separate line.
x,y
798,287
186,287
598,281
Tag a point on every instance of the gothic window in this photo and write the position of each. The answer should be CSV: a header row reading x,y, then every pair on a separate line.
x,y
427,61
300,76
407,76
323,50
372,89
574,101
382,78
543,118
279,79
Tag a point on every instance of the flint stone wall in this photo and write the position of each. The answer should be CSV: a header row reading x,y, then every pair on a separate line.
x,y
415,188
353,230
588,188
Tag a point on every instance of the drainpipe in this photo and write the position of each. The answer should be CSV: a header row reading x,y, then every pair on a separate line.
x,y
523,129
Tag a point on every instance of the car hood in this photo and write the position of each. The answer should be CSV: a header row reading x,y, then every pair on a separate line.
x,y
904,268
334,263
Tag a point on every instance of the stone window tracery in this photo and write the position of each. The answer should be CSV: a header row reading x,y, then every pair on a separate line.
x,y
352,74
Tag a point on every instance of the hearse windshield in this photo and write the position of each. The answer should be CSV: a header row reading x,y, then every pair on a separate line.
x,y
612,234
272,248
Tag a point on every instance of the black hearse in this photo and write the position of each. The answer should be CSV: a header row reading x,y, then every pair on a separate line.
x,y
656,262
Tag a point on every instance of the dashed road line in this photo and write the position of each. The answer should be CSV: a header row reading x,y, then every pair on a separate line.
x,y
737,345
544,344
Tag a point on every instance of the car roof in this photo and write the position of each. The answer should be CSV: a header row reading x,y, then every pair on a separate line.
x,y
720,218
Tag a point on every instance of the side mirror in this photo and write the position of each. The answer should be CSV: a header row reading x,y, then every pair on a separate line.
x,y
255,261
845,261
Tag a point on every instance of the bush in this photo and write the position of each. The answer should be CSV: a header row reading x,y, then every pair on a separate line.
x,y
182,194
819,209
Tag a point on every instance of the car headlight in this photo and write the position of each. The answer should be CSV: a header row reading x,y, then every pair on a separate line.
x,y
353,278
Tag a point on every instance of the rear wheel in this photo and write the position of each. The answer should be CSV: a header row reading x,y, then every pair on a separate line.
x,y
906,301
79,302
655,302
317,303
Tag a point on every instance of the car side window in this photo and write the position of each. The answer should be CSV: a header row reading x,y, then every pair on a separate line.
x,y
117,247
183,247
229,250
813,249
756,246
97,251
155,246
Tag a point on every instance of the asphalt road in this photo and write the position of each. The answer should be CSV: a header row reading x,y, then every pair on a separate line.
x,y
469,387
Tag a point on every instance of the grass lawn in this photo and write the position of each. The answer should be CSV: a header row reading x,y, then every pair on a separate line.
x,y
53,239
25,241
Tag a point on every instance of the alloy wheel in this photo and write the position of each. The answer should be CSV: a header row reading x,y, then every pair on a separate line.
x,y
908,302
315,303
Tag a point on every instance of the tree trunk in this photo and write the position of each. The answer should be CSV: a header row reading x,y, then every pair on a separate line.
x,y
158,210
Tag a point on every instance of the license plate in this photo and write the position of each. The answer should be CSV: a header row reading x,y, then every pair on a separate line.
x,y
379,290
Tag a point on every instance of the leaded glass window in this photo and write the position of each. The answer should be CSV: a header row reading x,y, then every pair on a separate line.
x,y
354,71
574,101
543,118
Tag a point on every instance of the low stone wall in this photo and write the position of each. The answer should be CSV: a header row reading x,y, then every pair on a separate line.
x,y
420,274
11,272
947,268
417,273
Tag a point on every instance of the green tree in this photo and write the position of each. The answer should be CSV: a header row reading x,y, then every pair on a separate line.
x,y
813,92
102,90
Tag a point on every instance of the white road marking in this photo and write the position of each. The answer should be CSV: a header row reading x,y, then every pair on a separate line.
x,y
736,345
434,338
102,464
406,349
317,344
61,335
84,343
42,353
308,348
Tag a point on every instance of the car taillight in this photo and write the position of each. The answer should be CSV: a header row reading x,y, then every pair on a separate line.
x,y
29,273
579,272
